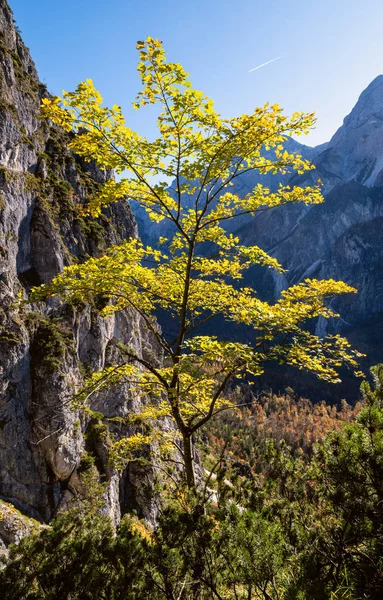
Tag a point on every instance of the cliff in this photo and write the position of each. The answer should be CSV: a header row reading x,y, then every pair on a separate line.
x,y
46,349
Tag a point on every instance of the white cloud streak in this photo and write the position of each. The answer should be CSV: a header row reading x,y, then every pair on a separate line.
x,y
264,64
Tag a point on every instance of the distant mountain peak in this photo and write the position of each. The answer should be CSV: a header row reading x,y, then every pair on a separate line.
x,y
368,107
355,152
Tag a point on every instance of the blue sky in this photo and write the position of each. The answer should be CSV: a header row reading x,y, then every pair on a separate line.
x,y
330,50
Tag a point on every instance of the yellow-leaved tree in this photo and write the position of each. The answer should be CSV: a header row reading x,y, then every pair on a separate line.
x,y
192,281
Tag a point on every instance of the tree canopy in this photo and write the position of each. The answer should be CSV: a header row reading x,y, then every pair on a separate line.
x,y
185,176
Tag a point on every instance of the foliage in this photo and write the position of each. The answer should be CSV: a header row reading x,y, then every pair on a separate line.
x,y
198,276
73,558
52,341
349,467
244,433
309,528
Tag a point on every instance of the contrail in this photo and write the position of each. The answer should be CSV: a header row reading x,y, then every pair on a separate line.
x,y
264,64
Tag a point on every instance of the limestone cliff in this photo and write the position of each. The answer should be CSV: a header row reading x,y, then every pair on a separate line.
x,y
44,350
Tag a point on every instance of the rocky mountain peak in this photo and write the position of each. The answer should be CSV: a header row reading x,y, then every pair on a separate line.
x,y
369,107
355,152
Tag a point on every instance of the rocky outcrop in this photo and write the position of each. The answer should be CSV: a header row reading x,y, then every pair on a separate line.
x,y
355,152
13,526
46,349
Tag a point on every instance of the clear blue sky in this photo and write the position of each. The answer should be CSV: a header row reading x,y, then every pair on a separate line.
x,y
330,49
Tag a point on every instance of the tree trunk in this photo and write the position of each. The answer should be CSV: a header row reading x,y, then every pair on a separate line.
x,y
189,461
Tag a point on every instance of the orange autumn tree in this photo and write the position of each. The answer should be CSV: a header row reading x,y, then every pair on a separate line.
x,y
202,154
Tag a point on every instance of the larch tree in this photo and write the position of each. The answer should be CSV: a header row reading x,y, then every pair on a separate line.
x,y
196,274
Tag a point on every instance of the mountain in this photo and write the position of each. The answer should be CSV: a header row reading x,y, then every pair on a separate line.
x,y
46,349
340,238
355,152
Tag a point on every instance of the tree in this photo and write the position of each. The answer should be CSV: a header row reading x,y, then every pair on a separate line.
x,y
347,550
196,276
79,555
189,556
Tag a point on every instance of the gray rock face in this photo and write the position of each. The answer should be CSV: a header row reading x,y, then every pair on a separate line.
x,y
13,526
355,152
45,349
